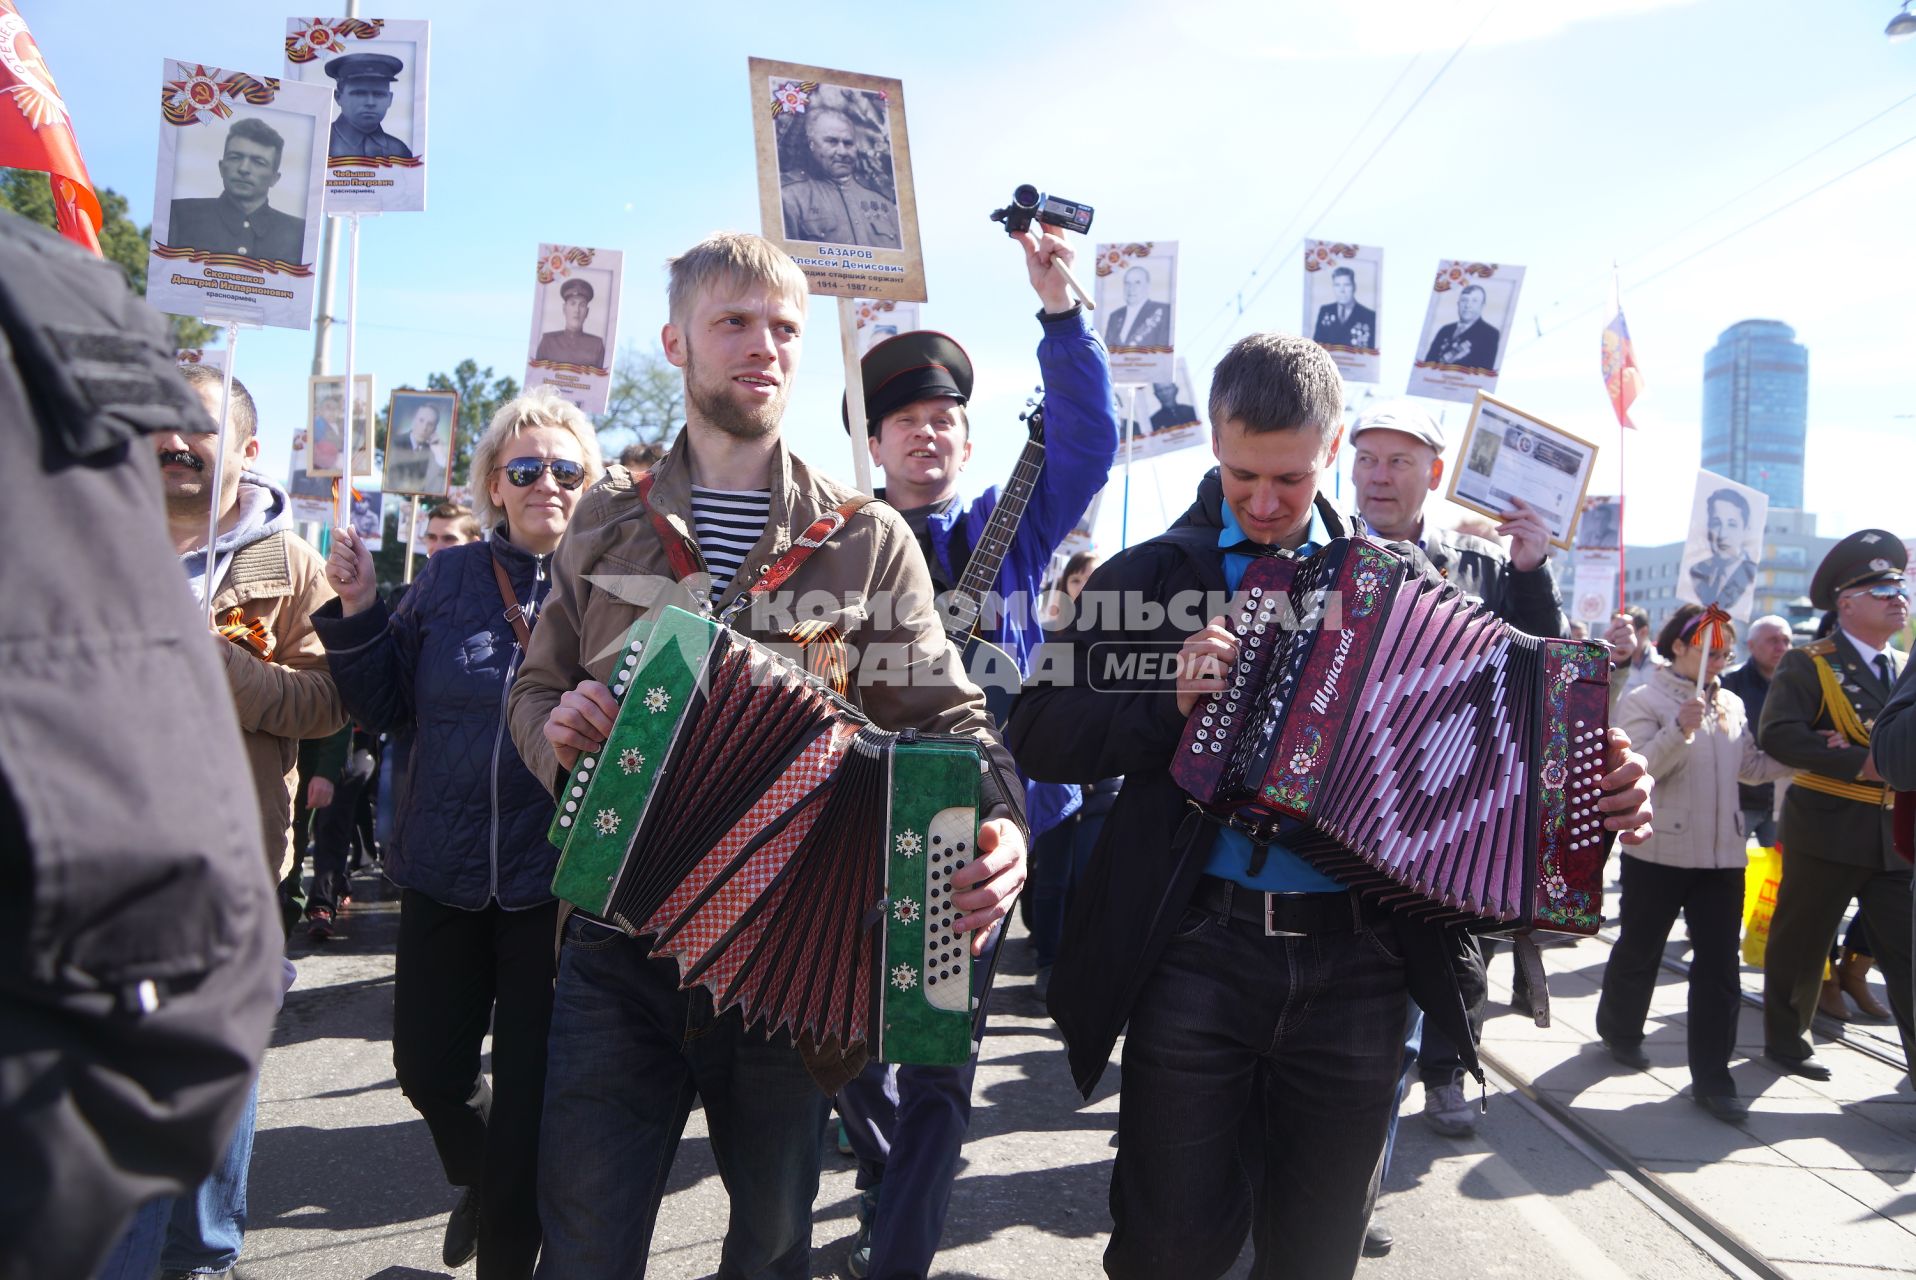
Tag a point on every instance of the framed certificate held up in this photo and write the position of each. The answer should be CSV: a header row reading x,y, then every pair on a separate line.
x,y
1508,454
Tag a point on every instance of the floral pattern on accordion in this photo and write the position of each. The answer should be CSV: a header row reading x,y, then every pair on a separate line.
x,y
1299,782
904,977
657,699
909,843
631,760
905,911
607,823
1563,906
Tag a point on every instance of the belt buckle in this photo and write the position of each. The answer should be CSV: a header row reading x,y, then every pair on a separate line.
x,y
1270,929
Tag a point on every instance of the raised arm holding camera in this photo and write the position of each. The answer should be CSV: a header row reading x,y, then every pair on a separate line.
x,y
907,1124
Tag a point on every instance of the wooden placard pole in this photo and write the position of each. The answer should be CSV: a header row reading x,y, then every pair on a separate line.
x,y
854,394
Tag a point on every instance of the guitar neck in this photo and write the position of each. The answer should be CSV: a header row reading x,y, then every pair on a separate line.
x,y
988,555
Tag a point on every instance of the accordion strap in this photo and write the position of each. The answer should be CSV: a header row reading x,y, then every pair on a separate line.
x,y
684,555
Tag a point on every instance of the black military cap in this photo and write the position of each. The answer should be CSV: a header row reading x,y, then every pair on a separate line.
x,y
365,66
920,365
1865,557
575,285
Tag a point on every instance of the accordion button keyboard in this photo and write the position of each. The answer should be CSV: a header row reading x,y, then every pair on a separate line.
x,y
947,957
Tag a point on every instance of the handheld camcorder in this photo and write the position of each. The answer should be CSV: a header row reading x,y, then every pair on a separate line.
x,y
1029,203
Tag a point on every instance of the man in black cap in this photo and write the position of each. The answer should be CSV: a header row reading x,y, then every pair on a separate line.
x,y
363,88
1837,841
572,344
907,1124
239,219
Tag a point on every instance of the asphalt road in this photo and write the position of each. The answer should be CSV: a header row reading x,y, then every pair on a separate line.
x,y
345,1182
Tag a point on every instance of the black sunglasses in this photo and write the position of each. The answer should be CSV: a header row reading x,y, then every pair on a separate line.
x,y
524,472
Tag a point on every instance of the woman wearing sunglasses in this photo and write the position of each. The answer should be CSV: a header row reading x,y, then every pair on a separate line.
x,y
1698,747
476,914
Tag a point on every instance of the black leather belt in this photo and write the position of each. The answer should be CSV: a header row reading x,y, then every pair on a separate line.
x,y
1285,915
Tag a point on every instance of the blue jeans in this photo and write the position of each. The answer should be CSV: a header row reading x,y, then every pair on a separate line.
x,y
1258,1080
1759,823
627,1054
201,1231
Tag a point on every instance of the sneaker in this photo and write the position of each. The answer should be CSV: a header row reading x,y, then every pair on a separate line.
x,y
1448,1112
858,1263
319,924
462,1230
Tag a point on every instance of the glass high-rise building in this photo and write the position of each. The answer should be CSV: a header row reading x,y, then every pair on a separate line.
x,y
1756,389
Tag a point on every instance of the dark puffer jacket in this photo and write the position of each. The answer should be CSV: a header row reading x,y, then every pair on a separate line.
x,y
473,825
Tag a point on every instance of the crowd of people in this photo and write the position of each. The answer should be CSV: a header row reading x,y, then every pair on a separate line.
x,y
427,731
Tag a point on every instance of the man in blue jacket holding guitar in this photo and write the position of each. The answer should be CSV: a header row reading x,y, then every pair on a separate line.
x,y
988,557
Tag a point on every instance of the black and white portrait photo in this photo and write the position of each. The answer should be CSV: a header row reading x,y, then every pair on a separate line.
x,y
835,169
834,178
1136,291
420,426
241,219
1342,287
240,174
575,318
375,71
1466,323
1724,546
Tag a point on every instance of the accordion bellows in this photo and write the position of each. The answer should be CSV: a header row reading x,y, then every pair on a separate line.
x,y
789,856
1407,742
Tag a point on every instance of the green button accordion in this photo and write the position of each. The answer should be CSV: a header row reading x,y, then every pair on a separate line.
x,y
792,858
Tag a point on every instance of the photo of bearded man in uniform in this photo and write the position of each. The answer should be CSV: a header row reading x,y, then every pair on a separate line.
x,y
834,168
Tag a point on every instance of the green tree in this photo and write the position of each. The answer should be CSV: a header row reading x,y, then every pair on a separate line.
x,y
647,402
124,242
480,396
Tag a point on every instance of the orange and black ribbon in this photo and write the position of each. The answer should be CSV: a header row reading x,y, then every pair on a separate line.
x,y
250,636
1713,628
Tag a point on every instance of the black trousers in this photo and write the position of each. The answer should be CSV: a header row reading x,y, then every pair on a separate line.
x,y
334,828
1711,901
459,972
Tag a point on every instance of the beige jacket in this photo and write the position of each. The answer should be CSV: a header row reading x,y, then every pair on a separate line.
x,y
1698,823
278,581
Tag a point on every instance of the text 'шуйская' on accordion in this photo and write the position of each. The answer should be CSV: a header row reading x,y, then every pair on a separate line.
x,y
1414,746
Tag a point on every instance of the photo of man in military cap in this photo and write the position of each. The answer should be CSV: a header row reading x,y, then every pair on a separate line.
x,y
363,88
572,344
826,194
240,219
1837,841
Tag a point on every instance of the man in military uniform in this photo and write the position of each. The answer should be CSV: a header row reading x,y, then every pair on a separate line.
x,y
831,205
363,88
572,344
1140,322
1345,322
1170,413
1836,816
239,220
1468,341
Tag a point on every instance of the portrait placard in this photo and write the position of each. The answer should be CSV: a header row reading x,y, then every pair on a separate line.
x,y
421,435
1507,454
575,323
204,357
1466,325
312,495
325,414
1343,290
879,319
1160,418
1600,527
368,519
236,200
1136,288
834,179
374,70
1593,586
1724,545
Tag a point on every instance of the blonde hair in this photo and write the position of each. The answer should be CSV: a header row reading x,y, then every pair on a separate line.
x,y
540,407
737,258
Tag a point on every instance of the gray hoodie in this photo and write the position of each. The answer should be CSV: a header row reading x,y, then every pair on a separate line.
x,y
264,510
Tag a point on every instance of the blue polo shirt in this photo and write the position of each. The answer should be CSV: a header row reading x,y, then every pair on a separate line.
x,y
1283,871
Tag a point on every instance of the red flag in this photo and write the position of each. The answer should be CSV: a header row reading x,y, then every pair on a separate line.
x,y
1620,376
36,132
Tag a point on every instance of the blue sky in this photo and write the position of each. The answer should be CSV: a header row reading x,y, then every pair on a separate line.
x,y
1567,135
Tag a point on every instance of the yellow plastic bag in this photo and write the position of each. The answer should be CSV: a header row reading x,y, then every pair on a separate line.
x,y
1760,878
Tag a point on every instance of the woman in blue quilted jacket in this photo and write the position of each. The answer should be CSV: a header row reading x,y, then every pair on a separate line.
x,y
476,914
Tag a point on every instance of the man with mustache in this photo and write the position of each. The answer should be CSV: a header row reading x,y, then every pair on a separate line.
x,y
239,220
265,583
629,1050
830,204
